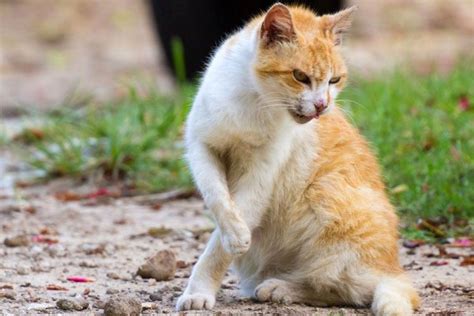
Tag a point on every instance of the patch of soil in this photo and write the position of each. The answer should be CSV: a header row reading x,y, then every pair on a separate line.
x,y
101,243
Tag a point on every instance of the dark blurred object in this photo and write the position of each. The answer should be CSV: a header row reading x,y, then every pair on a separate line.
x,y
202,24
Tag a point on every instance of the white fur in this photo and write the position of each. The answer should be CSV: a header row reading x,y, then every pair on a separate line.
x,y
251,161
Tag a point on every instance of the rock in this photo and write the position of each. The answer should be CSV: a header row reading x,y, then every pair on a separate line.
x,y
23,270
39,306
88,264
149,305
113,275
123,306
56,251
77,304
9,294
160,267
111,291
155,296
17,241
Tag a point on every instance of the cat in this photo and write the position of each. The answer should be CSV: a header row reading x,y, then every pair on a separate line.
x,y
296,193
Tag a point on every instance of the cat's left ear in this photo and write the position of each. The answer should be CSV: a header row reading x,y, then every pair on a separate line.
x,y
337,24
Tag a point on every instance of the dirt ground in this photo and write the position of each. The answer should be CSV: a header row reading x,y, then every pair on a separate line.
x,y
93,47
75,230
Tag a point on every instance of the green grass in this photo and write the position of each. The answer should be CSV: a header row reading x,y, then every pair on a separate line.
x,y
136,140
424,141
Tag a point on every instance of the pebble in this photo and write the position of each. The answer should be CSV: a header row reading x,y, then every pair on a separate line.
x,y
162,266
56,251
155,296
9,294
123,306
111,291
77,304
113,275
88,264
39,306
149,305
17,241
23,270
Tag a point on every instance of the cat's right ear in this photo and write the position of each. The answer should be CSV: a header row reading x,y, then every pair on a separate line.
x,y
277,25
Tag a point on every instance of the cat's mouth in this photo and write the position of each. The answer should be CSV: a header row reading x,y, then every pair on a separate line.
x,y
301,118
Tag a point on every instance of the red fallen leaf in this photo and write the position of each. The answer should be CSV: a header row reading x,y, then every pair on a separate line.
x,y
99,193
67,196
80,279
467,261
439,263
463,242
44,239
463,103
55,287
157,206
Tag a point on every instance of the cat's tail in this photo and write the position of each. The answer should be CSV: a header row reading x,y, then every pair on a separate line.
x,y
395,296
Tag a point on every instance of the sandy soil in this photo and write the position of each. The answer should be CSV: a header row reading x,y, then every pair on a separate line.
x,y
107,239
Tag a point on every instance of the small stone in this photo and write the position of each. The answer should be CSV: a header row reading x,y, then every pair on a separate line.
x,y
39,306
160,267
177,288
23,270
77,304
56,250
9,294
181,264
17,241
113,275
88,264
155,296
149,305
123,306
111,291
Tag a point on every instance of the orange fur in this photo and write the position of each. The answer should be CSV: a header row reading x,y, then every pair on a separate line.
x,y
296,192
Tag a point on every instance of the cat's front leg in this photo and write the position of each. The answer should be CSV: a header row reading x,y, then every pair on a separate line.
x,y
210,178
206,277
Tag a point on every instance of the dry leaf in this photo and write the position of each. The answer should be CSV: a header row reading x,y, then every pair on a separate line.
x,y
467,261
55,287
67,196
439,263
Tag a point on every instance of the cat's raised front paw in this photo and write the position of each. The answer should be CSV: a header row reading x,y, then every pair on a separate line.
x,y
236,241
195,301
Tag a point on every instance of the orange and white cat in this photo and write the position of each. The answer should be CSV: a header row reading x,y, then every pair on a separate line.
x,y
296,193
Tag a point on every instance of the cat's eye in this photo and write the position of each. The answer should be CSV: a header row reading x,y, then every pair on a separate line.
x,y
301,76
334,80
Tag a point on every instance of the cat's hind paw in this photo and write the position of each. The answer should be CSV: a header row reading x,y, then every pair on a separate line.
x,y
275,290
195,301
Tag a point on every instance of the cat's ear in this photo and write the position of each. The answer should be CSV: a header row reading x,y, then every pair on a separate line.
x,y
277,25
337,24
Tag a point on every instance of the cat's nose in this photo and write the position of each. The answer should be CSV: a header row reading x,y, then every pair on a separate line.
x,y
320,105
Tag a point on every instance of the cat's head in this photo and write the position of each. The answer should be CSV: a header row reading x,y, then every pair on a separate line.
x,y
298,65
